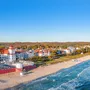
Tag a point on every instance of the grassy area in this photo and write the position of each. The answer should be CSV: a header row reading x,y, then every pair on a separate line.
x,y
66,58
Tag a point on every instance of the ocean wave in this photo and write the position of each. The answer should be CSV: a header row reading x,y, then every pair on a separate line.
x,y
85,74
37,81
81,79
67,79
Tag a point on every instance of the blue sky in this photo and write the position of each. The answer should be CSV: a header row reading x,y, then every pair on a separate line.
x,y
44,20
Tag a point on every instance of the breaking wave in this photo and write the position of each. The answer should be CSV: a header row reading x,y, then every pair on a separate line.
x,y
74,78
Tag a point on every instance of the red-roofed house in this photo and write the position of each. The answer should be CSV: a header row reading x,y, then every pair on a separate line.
x,y
8,54
42,52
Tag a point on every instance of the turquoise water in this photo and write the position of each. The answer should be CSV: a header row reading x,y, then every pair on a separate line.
x,y
73,78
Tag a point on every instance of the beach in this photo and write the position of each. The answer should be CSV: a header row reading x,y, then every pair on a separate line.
x,y
14,79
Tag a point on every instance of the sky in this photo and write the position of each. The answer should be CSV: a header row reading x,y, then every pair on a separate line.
x,y
44,20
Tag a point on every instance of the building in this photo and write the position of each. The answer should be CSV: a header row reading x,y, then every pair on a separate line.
x,y
31,53
66,51
61,52
72,49
11,53
8,55
21,54
77,48
42,52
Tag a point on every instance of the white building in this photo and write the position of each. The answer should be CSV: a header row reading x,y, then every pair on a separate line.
x,y
8,55
12,56
42,52
67,51
72,49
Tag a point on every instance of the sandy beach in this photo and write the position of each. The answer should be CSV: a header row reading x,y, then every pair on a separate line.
x,y
13,79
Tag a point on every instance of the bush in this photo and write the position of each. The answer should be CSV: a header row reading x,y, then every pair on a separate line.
x,y
78,51
37,58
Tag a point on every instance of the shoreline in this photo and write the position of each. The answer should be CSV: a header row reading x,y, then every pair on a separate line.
x,y
15,80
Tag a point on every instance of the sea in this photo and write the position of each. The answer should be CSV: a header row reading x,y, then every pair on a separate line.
x,y
73,78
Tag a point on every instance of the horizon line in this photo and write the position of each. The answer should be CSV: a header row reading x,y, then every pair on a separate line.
x,y
43,41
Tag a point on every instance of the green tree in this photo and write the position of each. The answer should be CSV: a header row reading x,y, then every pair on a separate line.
x,y
2,46
64,46
78,51
24,46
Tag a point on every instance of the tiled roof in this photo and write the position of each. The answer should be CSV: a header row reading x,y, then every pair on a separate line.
x,y
5,51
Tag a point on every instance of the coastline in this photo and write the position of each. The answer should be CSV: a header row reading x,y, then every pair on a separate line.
x,y
14,79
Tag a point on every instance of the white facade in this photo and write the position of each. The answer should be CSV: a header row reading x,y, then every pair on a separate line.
x,y
31,53
43,53
12,56
67,51
72,49
11,51
77,48
47,53
40,54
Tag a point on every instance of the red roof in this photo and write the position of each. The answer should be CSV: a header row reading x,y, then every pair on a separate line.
x,y
42,51
5,51
37,50
11,47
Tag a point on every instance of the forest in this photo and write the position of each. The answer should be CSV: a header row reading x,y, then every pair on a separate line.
x,y
34,45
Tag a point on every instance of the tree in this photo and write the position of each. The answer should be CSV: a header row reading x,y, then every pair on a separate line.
x,y
29,47
2,46
83,50
64,46
78,51
24,46
35,47
87,49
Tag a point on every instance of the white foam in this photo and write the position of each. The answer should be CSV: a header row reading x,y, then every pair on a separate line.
x,y
70,85
85,74
38,80
56,74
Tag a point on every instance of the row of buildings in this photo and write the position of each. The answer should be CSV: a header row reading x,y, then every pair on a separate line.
x,y
66,51
12,54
